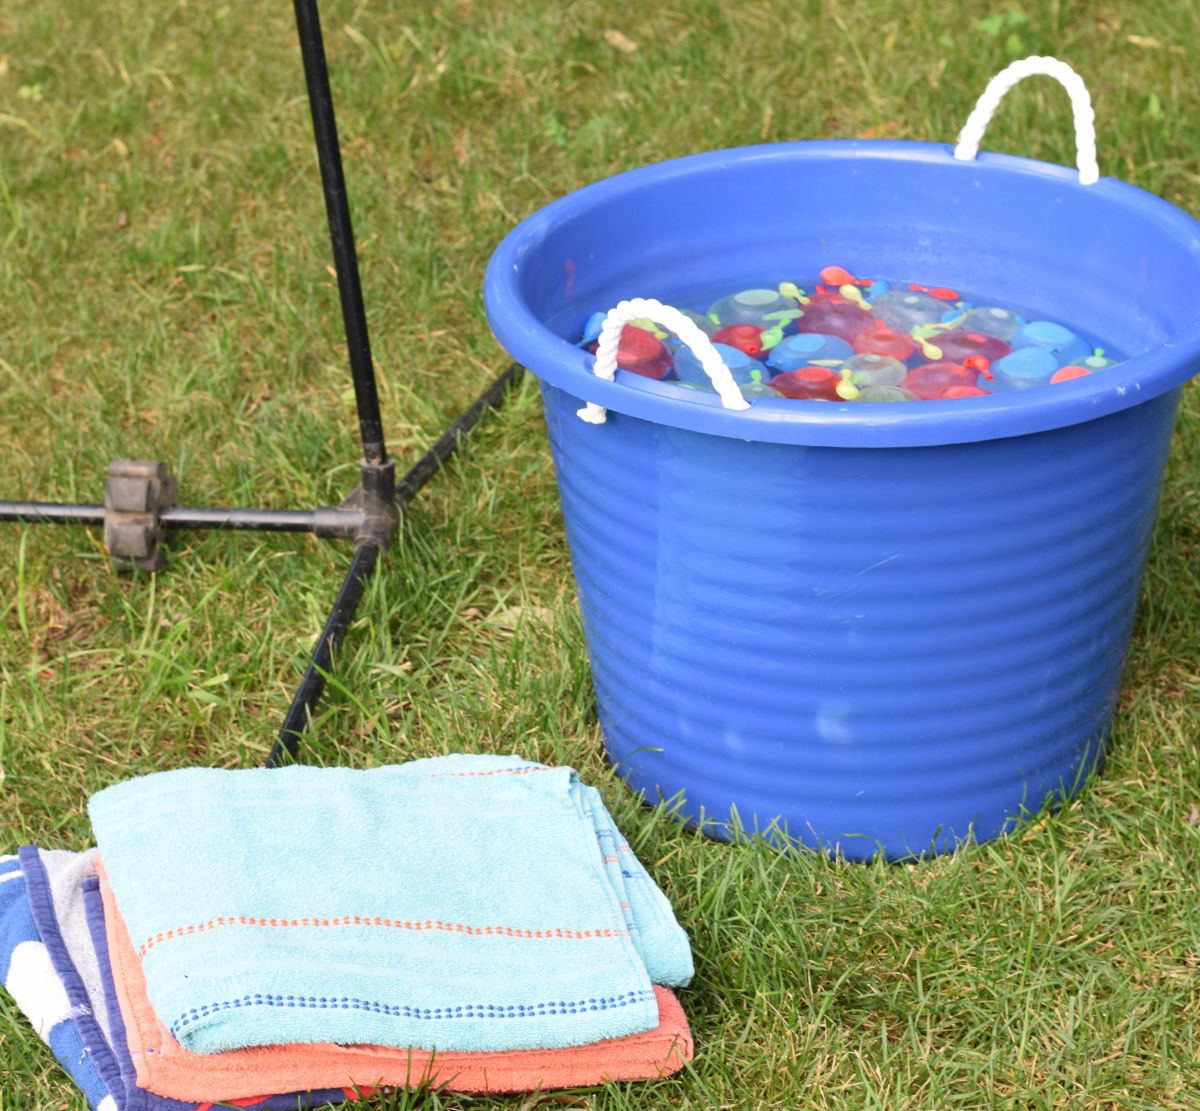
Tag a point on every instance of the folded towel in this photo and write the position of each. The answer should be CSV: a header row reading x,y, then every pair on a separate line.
x,y
29,977
56,885
53,881
72,929
139,1098
164,1066
456,903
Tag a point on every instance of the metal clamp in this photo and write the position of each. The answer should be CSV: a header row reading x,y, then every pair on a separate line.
x,y
135,492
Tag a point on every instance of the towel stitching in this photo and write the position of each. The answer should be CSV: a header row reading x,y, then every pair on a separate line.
x,y
495,771
458,1011
359,920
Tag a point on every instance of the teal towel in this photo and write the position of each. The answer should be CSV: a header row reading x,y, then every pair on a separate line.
x,y
461,902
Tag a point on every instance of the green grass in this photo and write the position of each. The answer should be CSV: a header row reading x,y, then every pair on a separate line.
x,y
163,261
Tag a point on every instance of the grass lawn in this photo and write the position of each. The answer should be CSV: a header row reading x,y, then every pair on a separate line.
x,y
167,295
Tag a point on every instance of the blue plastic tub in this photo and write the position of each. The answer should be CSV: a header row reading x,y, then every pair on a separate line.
x,y
867,626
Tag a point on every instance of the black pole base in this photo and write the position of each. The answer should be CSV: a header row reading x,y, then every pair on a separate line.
x,y
370,512
140,498
366,557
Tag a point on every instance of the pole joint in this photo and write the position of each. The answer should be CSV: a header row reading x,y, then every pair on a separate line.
x,y
374,500
135,492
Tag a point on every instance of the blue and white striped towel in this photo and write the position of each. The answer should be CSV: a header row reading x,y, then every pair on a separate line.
x,y
29,977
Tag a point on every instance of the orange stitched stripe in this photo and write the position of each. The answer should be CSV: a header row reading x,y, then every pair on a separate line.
x,y
358,920
495,771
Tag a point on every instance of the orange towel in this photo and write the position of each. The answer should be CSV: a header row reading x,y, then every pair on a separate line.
x,y
166,1068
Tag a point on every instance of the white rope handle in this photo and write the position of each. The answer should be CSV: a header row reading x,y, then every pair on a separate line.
x,y
1081,104
672,319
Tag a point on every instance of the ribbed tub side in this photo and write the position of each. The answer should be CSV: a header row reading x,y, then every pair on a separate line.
x,y
890,648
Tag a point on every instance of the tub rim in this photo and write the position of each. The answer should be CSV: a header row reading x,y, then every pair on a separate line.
x,y
559,363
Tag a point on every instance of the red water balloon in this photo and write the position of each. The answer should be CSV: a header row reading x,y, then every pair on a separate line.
x,y
642,353
832,315
879,339
745,337
965,391
1066,373
959,346
809,383
931,380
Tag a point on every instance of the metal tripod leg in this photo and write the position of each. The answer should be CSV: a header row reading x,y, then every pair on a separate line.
x,y
365,559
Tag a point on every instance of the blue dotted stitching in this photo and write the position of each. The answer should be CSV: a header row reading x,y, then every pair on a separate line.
x,y
460,1011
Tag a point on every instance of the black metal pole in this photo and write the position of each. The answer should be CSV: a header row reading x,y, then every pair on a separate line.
x,y
258,520
51,513
354,317
445,446
179,517
313,684
330,521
